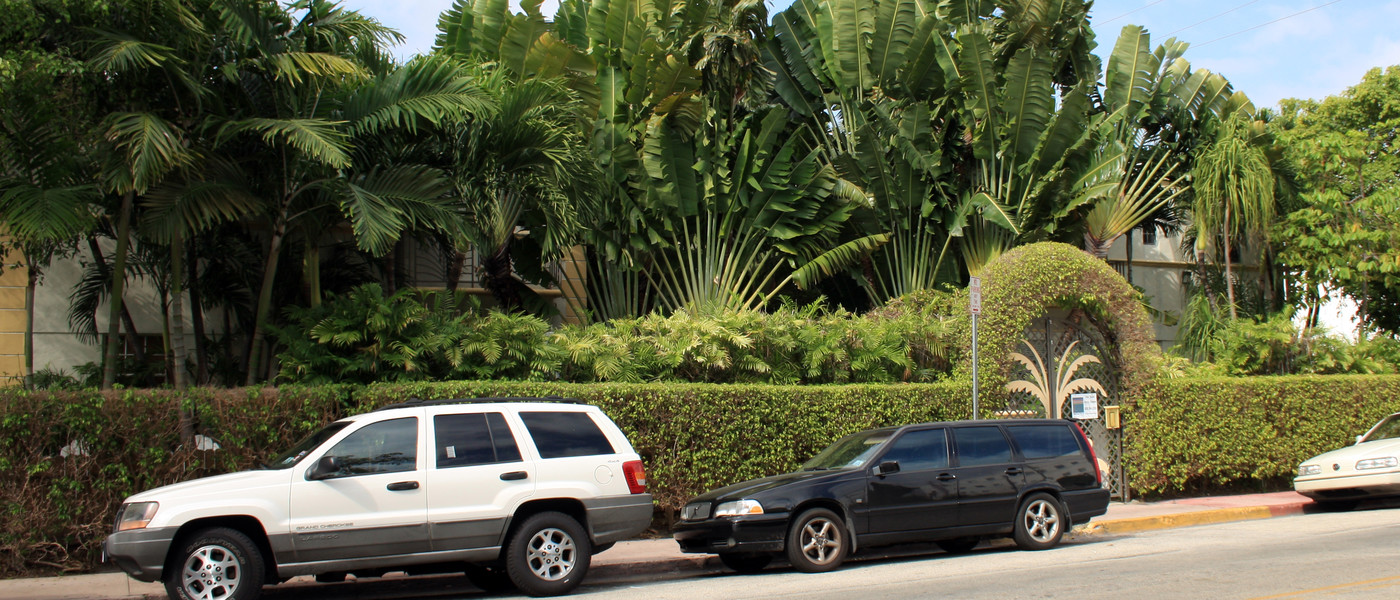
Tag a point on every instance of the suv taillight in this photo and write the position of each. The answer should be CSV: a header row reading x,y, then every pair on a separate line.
x,y
1093,456
636,476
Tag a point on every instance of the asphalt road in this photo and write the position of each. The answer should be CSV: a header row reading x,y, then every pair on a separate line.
x,y
1305,557
1335,555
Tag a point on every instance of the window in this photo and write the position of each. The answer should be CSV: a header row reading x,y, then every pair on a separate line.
x,y
981,446
1149,236
1044,441
473,439
562,434
920,450
384,447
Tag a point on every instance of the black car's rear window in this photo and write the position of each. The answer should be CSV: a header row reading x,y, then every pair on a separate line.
x,y
981,446
1044,441
563,434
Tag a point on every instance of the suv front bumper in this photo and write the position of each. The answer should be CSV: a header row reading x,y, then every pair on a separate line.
x,y
139,552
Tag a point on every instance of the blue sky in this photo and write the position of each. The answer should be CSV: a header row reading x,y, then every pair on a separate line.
x,y
1309,55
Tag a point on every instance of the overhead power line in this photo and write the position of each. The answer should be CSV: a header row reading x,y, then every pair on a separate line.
x,y
1213,18
1149,5
1283,18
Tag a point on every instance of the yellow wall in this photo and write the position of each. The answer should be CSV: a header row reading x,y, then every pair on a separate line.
x,y
12,317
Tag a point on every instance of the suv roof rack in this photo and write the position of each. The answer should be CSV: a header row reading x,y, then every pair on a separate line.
x,y
414,402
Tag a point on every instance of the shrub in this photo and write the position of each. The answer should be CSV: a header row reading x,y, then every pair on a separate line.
x,y
59,505
1208,434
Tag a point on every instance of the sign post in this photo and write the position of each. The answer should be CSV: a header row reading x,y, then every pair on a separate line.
x,y
974,288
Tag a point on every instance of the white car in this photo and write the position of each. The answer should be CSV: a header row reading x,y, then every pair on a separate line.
x,y
1368,469
507,491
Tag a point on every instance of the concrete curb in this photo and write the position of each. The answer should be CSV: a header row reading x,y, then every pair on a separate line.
x,y
1188,519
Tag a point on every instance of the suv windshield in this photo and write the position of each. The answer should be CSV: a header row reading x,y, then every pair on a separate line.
x,y
289,458
849,452
1387,429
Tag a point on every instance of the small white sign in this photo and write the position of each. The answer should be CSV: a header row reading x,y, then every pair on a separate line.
x,y
974,289
1084,406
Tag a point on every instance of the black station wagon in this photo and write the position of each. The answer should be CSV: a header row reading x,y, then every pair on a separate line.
x,y
953,483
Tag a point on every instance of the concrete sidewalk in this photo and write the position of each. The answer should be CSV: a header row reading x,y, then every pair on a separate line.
x,y
660,558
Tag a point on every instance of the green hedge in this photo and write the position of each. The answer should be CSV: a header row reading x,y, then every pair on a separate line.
x,y
693,437
68,458
1186,436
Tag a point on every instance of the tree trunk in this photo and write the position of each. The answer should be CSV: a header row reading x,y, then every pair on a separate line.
x,y
500,279
454,271
177,313
109,358
127,321
201,352
1097,247
255,348
34,274
1129,269
1229,273
311,271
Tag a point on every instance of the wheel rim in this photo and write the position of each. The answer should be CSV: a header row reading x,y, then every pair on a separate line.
x,y
820,540
551,554
211,573
1042,521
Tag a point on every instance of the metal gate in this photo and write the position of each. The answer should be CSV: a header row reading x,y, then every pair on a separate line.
x,y
1063,354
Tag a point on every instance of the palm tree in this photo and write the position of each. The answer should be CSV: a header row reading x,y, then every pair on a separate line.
x,y
328,107
1234,188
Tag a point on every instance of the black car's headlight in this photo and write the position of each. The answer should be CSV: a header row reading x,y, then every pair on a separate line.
x,y
738,508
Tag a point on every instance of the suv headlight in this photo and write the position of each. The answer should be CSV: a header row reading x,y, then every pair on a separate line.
x,y
739,508
136,515
1377,463
1306,470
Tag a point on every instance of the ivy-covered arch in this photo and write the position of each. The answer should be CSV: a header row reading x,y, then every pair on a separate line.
x,y
1023,284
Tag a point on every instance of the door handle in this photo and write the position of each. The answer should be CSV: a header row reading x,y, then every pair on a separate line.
x,y
946,477
401,486
514,476
1014,471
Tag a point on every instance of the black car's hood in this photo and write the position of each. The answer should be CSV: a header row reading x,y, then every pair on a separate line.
x,y
754,487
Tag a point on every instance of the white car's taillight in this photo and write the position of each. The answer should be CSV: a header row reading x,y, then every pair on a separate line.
x,y
636,476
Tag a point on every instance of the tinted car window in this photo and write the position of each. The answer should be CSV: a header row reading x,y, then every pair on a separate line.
x,y
562,434
1044,441
384,447
850,451
473,439
919,450
981,446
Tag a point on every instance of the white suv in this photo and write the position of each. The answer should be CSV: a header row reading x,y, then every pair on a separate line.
x,y
509,491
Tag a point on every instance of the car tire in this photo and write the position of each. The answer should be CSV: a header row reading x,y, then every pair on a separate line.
x,y
1040,522
218,562
960,545
817,542
489,579
745,562
548,555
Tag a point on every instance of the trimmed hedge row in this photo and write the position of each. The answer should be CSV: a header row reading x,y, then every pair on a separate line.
x,y
1186,436
68,459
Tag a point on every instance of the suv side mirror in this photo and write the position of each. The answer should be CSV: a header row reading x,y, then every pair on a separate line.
x,y
887,468
325,468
